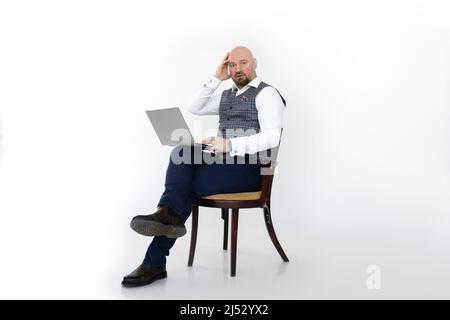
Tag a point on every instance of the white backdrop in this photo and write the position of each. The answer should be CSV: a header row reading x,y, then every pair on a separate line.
x,y
364,176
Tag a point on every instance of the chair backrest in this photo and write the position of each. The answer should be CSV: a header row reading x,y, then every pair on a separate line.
x,y
267,173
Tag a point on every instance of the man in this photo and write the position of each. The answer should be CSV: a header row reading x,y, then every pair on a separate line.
x,y
250,122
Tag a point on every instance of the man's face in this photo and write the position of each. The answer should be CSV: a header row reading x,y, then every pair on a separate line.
x,y
241,68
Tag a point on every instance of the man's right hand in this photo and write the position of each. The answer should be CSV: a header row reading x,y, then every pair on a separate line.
x,y
222,69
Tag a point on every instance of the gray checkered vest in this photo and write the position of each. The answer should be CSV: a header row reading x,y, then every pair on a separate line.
x,y
238,114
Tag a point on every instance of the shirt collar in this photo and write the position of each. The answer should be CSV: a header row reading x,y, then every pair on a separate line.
x,y
254,83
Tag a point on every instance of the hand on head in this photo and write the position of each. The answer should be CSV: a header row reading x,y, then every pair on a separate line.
x,y
222,69
239,65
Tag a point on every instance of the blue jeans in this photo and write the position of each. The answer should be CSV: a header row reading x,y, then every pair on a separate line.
x,y
189,180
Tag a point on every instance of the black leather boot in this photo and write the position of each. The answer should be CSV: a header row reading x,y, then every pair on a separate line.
x,y
164,222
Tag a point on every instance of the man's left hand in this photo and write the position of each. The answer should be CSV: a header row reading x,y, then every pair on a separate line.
x,y
218,144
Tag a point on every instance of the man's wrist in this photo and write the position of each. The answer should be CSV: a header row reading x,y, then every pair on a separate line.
x,y
213,82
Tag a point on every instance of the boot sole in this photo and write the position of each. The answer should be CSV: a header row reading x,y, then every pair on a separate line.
x,y
154,228
159,276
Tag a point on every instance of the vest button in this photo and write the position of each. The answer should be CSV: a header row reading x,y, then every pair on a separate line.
x,y
231,108
228,118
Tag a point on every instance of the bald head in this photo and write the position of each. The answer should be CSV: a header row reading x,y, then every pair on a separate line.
x,y
241,52
242,66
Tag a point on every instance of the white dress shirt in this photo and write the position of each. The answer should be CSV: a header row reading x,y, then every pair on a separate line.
x,y
270,115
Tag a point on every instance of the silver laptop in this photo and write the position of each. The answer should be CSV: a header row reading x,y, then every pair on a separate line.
x,y
169,124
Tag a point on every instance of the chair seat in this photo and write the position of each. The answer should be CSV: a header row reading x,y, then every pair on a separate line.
x,y
235,196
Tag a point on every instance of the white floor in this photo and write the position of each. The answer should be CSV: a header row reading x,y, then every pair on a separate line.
x,y
327,261
326,265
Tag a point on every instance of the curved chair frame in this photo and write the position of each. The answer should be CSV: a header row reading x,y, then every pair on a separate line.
x,y
236,201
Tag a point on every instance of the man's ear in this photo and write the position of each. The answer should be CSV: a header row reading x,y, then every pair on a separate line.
x,y
256,63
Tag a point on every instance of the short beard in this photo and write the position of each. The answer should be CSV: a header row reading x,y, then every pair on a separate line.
x,y
245,81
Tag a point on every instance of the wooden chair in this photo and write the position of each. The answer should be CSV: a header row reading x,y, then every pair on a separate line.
x,y
235,201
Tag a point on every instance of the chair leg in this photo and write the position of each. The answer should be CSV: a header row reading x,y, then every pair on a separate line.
x,y
271,230
193,235
225,228
234,230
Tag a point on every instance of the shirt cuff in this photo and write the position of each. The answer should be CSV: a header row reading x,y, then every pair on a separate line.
x,y
213,83
238,146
